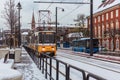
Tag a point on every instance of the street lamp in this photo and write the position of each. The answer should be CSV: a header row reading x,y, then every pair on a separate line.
x,y
57,22
19,32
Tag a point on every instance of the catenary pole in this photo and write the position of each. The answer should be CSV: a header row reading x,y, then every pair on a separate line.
x,y
91,28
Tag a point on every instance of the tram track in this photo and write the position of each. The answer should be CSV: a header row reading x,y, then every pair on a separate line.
x,y
97,57
66,57
91,62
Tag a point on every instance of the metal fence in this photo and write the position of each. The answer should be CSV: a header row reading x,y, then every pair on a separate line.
x,y
45,64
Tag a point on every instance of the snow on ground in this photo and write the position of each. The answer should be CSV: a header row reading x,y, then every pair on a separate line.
x,y
28,68
30,71
107,74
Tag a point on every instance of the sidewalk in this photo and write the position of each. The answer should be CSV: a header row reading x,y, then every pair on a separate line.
x,y
28,68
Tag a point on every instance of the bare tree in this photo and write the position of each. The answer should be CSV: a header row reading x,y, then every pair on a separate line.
x,y
10,14
112,34
81,18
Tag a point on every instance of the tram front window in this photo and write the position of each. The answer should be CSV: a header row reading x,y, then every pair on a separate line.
x,y
46,38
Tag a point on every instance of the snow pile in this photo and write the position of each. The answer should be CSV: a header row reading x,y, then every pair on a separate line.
x,y
9,74
6,71
9,63
28,68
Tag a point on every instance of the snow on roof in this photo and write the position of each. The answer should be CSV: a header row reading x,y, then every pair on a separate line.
x,y
84,38
25,33
75,34
107,4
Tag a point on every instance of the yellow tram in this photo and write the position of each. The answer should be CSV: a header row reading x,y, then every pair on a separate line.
x,y
45,42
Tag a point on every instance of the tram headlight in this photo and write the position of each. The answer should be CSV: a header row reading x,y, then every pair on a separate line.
x,y
43,49
53,49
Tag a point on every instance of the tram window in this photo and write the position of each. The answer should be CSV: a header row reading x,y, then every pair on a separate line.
x,y
75,43
87,43
40,38
81,43
46,38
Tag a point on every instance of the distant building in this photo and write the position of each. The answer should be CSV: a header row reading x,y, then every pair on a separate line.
x,y
107,17
24,38
75,35
6,35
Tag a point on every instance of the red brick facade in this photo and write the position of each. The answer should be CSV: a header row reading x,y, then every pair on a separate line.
x,y
105,20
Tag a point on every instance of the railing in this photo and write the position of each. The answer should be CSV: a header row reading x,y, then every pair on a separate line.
x,y
47,67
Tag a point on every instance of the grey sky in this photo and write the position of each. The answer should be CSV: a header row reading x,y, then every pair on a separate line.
x,y
64,18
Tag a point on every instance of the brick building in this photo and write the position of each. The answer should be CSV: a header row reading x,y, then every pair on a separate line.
x,y
106,18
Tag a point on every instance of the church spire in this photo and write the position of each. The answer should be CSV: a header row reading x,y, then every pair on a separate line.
x,y
33,22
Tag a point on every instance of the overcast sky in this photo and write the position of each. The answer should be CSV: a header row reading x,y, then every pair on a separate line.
x,y
66,17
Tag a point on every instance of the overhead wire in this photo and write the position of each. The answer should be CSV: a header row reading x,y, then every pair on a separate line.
x,y
67,13
71,11
49,7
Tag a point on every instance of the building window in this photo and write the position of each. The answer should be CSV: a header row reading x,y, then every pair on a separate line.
x,y
95,32
111,14
104,43
117,43
107,26
98,18
106,16
117,24
111,44
117,13
99,31
95,20
102,17
112,27
103,30
107,44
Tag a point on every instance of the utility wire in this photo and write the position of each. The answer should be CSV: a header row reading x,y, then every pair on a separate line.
x,y
49,7
68,12
71,11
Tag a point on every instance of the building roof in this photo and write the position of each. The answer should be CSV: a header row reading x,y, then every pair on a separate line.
x,y
80,34
107,4
25,33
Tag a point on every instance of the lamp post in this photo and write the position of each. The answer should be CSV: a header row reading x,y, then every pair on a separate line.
x,y
19,31
57,22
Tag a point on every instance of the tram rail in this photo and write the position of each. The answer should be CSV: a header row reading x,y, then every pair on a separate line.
x,y
77,58
98,56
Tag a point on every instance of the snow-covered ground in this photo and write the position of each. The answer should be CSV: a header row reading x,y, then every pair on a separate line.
x,y
107,72
28,68
30,71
